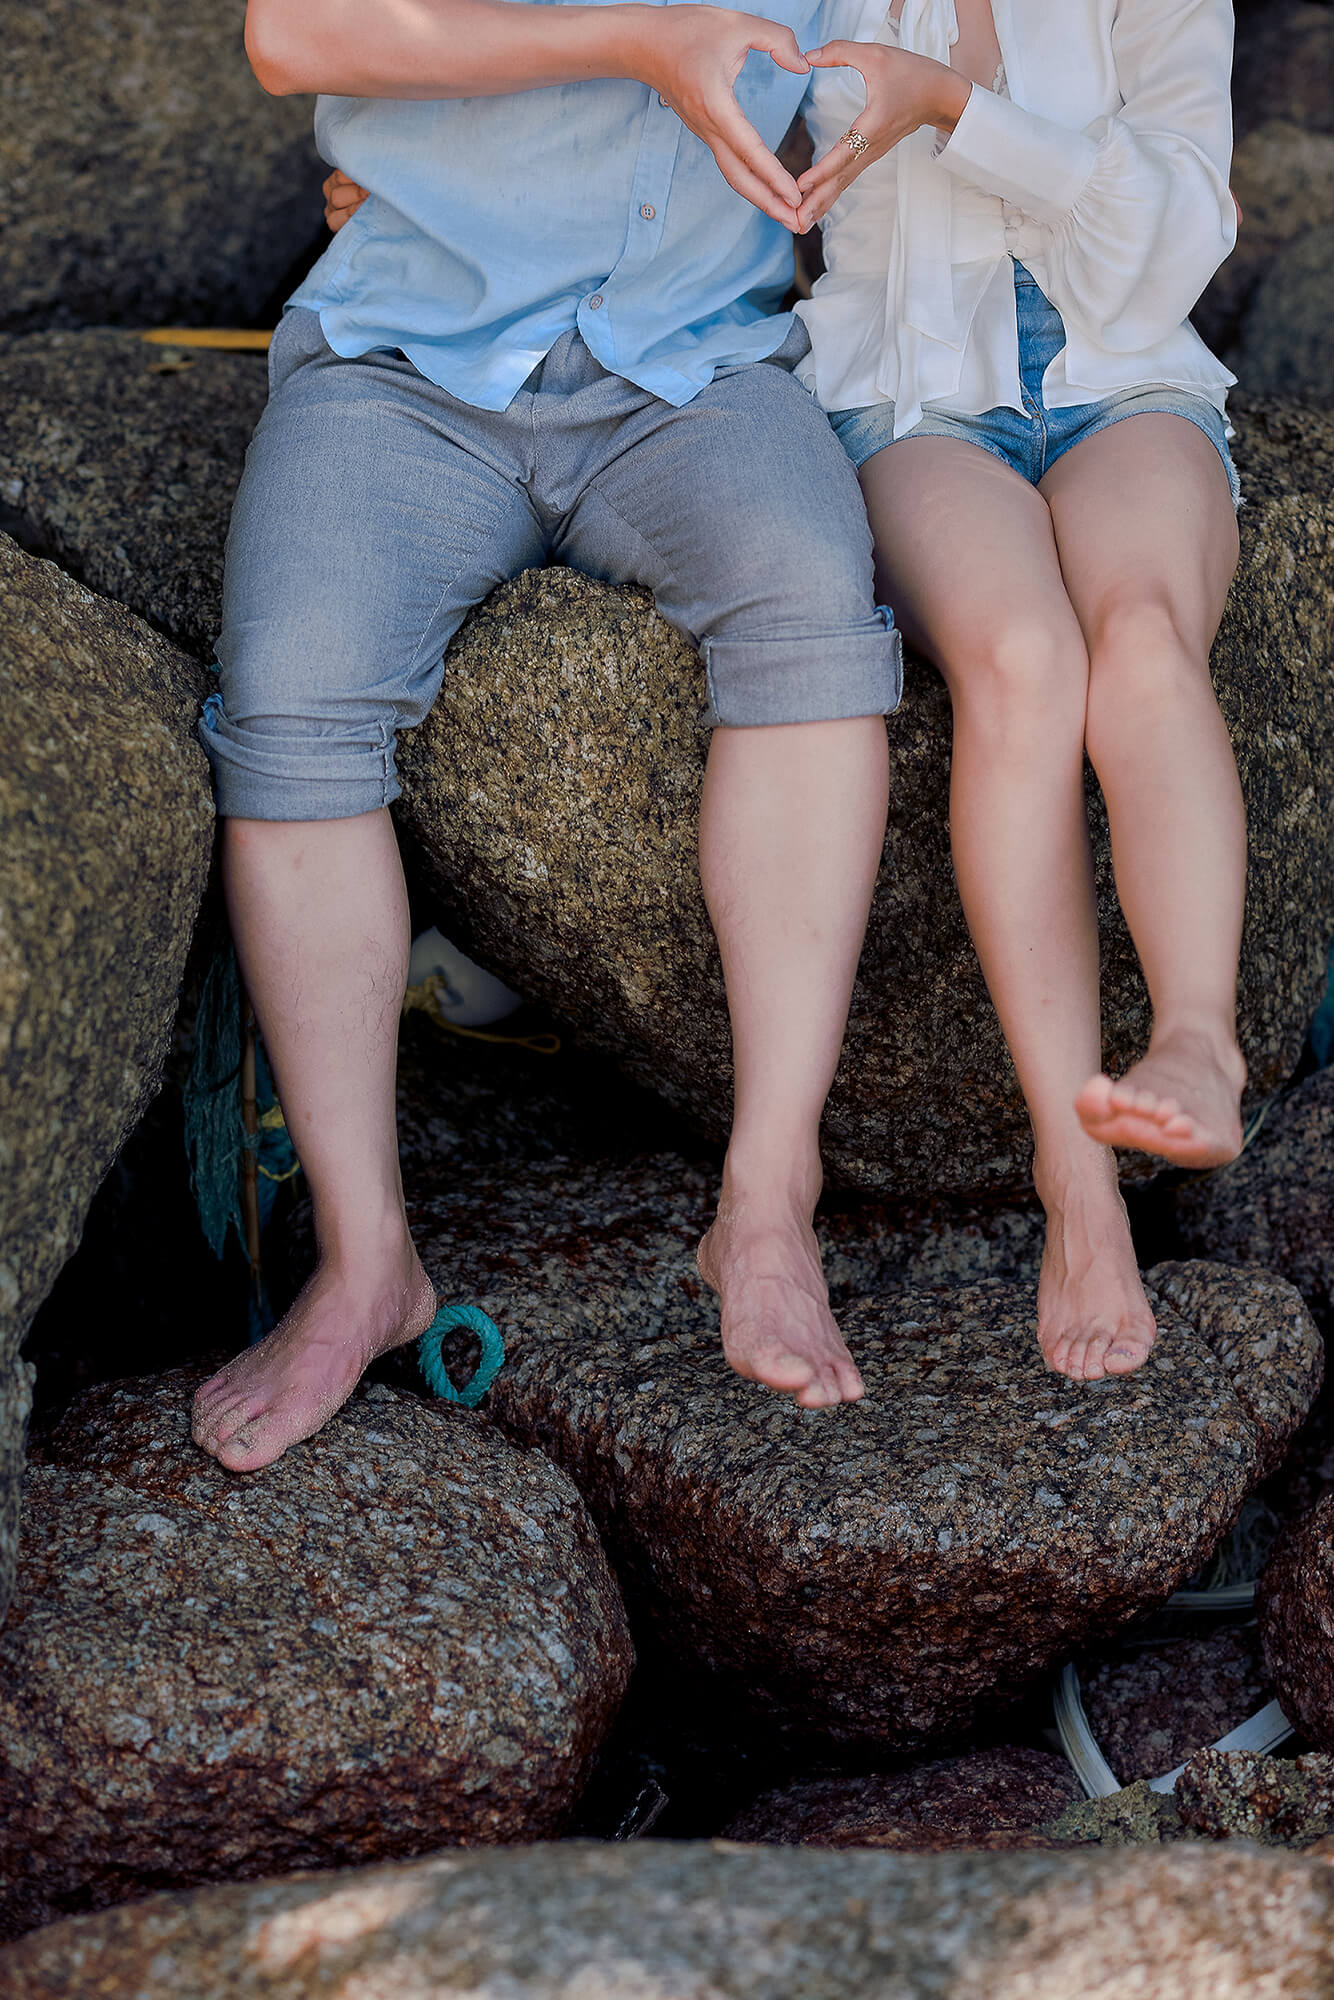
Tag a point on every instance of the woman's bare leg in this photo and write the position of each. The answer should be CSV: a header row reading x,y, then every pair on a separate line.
x,y
320,916
969,561
792,825
1148,544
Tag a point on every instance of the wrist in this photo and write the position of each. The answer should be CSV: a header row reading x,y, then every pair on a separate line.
x,y
952,94
632,40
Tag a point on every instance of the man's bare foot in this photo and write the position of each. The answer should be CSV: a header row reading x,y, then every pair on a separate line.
x,y
1093,1317
289,1385
1182,1102
764,1263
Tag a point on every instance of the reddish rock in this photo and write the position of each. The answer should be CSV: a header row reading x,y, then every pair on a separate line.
x,y
401,1636
1274,1206
988,1798
1295,1601
1239,1795
1152,1707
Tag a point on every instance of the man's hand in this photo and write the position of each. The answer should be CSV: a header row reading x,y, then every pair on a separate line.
x,y
342,199
903,91
692,56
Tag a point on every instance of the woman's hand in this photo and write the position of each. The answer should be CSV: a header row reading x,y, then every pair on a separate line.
x,y
692,56
903,91
342,199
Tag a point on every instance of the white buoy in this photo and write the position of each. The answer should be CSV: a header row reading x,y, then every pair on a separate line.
x,y
469,996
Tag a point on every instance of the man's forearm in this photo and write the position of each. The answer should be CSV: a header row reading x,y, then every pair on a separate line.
x,y
438,48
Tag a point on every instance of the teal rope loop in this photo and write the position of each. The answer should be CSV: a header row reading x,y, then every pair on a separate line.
x,y
490,1365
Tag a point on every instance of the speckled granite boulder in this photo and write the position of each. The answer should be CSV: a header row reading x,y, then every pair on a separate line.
x,y
1285,347
120,460
708,1921
1238,1795
987,1798
106,826
874,1573
573,871
1295,1600
147,176
1274,1206
1152,1707
402,1636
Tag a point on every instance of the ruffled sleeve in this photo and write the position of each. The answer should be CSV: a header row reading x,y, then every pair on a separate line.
x,y
1134,213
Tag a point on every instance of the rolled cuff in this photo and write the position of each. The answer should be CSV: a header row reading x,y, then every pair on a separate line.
x,y
1004,150
818,677
301,775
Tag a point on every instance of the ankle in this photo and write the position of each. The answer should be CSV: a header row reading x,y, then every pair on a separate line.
x,y
1211,1037
366,1250
772,1181
1077,1182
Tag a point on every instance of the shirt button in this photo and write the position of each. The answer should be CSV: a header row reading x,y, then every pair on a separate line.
x,y
648,211
595,301
663,102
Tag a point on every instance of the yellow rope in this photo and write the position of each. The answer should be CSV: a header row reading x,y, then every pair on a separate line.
x,y
425,999
243,339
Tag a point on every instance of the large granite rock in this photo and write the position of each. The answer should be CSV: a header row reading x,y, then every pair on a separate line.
x,y
992,1799
1283,176
120,460
712,1921
1284,63
1274,1206
1295,1601
1240,1795
106,824
147,176
1286,348
878,1572
402,1636
573,872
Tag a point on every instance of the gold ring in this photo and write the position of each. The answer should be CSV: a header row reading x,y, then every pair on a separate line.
x,y
852,137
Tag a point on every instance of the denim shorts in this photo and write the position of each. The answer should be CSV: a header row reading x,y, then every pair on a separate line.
x,y
376,510
1031,444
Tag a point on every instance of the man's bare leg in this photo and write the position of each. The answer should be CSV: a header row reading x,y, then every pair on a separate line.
x,y
791,831
319,912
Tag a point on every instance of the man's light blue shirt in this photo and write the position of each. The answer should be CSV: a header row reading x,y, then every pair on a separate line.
x,y
496,224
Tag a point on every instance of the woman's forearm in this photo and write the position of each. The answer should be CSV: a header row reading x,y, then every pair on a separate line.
x,y
440,48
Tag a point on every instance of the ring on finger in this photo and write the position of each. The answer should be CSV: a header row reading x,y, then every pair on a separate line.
x,y
853,138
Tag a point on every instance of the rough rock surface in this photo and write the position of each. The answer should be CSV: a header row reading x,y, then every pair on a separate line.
x,y
403,1635
572,870
1285,342
706,1921
988,1798
1283,176
106,826
1295,1601
1238,1795
873,1573
1151,1707
121,460
1284,60
147,176
1274,1206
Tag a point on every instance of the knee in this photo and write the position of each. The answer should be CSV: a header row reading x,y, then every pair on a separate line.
x,y
1142,655
1020,674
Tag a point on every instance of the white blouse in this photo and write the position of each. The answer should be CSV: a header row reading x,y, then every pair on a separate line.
x,y
1104,171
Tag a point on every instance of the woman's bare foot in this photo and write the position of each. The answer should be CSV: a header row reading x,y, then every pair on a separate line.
x,y
289,1385
762,1259
1093,1317
1182,1102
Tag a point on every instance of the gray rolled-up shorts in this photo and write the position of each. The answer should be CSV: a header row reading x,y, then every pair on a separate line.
x,y
376,510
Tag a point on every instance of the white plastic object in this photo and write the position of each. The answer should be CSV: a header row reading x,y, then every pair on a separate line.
x,y
1261,1732
469,996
